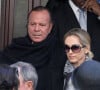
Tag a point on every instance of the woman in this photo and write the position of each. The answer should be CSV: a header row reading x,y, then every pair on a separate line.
x,y
77,47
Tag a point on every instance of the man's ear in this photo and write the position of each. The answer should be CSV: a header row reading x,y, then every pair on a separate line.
x,y
29,84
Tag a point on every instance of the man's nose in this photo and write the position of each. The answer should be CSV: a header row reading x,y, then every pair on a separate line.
x,y
37,28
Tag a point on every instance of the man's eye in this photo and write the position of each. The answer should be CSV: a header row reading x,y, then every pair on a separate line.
x,y
32,24
42,25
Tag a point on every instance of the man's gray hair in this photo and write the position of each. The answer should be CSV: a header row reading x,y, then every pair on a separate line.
x,y
27,71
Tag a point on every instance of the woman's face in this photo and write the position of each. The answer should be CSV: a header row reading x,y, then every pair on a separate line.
x,y
76,55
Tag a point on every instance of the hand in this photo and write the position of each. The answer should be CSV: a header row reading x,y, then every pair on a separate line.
x,y
92,6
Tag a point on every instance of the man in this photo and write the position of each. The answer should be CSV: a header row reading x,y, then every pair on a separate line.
x,y
40,48
66,17
28,77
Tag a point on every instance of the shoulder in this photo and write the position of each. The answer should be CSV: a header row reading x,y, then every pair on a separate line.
x,y
54,5
21,40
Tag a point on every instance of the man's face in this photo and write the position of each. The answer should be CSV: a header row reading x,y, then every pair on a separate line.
x,y
79,3
39,25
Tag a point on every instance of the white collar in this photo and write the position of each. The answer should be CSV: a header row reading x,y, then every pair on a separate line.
x,y
73,6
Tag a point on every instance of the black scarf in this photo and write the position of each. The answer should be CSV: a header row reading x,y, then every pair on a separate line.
x,y
22,49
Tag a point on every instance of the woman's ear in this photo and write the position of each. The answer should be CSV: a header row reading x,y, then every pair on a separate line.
x,y
87,49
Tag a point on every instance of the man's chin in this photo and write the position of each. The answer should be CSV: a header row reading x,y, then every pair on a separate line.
x,y
37,40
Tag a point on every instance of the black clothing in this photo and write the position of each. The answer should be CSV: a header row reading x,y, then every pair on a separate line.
x,y
65,20
48,57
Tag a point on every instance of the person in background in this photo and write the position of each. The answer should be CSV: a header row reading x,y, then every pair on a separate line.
x,y
87,76
41,48
28,77
98,1
78,50
66,16
8,78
